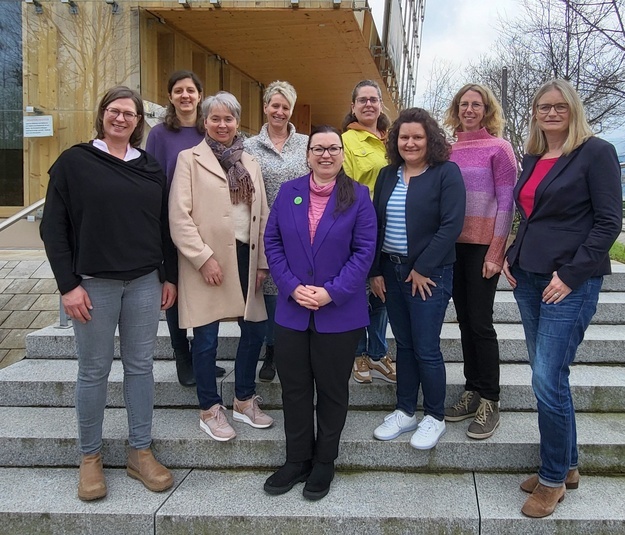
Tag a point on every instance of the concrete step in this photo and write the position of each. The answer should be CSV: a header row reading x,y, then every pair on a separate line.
x,y
362,503
602,344
32,436
51,383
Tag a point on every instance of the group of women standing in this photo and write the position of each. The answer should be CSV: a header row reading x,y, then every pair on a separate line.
x,y
300,209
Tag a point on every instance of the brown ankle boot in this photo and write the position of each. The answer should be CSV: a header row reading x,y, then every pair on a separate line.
x,y
571,482
543,500
143,466
91,482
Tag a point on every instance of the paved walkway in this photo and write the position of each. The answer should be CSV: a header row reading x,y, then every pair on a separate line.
x,y
28,300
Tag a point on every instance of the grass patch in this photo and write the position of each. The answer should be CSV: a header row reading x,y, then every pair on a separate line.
x,y
617,252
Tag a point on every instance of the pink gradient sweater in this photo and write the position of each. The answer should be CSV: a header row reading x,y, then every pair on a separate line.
x,y
489,171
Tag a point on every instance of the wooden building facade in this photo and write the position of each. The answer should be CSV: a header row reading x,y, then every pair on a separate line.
x,y
57,58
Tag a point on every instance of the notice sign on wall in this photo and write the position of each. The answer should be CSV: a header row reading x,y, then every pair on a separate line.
x,y
38,126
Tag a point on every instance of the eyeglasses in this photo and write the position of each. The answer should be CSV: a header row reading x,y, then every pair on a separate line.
x,y
473,105
363,100
114,114
544,109
333,150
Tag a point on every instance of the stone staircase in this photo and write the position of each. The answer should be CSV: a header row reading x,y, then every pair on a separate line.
x,y
461,486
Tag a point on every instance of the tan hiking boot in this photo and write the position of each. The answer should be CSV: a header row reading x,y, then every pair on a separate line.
x,y
543,500
91,482
143,466
571,482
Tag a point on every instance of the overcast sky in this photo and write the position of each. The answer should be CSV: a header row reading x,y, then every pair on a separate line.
x,y
461,31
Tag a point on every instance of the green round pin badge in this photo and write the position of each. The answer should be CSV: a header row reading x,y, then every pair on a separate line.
x,y
297,200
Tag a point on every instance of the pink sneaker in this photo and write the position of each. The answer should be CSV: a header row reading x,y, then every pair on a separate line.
x,y
215,423
250,413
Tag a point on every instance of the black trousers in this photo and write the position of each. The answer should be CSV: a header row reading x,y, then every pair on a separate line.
x,y
305,360
473,298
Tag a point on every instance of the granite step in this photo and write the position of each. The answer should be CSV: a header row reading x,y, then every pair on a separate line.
x,y
51,383
47,437
602,343
210,501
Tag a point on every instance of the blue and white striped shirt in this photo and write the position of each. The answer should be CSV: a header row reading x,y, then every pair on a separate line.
x,y
395,236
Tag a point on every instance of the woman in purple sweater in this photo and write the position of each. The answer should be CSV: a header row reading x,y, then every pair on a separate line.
x,y
182,129
489,171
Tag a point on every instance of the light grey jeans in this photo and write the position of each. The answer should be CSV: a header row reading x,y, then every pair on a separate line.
x,y
134,306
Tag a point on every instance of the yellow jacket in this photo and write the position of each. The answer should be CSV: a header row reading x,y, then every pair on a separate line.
x,y
365,155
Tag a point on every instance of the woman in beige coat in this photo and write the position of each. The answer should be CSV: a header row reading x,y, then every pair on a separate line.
x,y
218,211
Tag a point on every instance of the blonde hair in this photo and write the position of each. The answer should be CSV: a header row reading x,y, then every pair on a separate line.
x,y
579,129
281,88
493,120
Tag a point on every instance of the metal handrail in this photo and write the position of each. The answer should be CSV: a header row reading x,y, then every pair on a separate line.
x,y
24,212
63,319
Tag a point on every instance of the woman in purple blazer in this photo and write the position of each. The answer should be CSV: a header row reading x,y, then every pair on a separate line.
x,y
319,242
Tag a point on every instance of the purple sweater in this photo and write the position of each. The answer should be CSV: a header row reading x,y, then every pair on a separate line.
x,y
165,145
489,171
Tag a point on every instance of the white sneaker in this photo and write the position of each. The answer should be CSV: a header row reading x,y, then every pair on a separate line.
x,y
429,431
395,424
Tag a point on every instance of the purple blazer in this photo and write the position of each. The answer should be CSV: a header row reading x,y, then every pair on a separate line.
x,y
339,258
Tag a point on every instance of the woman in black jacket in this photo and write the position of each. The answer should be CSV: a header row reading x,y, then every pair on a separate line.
x,y
105,230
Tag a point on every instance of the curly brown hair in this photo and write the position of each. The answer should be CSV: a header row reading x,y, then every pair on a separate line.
x,y
438,148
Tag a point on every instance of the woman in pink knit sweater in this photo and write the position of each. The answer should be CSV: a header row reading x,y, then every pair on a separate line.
x,y
489,171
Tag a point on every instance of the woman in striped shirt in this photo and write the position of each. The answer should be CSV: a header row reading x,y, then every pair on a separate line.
x,y
420,203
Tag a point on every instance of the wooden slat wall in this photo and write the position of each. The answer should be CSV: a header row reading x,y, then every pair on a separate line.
x,y
70,60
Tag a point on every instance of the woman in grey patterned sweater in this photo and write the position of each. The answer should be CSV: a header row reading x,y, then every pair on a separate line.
x,y
281,153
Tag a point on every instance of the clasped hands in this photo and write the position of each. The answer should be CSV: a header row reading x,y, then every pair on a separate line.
x,y
311,297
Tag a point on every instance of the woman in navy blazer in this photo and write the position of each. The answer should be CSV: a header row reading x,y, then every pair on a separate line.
x,y
420,203
569,197
319,242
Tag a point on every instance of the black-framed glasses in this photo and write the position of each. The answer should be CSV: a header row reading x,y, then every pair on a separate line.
x,y
333,150
114,114
363,100
544,109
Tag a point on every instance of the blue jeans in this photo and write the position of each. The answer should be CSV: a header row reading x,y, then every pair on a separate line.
x,y
417,328
204,353
553,333
270,305
134,306
375,332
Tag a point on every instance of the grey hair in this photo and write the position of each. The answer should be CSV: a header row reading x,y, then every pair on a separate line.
x,y
281,88
225,99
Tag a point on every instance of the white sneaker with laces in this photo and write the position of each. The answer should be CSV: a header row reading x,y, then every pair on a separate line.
x,y
395,424
427,434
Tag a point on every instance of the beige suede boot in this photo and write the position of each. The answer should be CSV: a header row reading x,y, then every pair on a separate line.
x,y
143,466
91,482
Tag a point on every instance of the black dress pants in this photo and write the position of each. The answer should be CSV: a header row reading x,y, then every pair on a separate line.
x,y
305,360
473,298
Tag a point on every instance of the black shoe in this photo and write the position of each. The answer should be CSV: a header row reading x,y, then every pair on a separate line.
x,y
318,482
268,369
287,476
184,367
219,371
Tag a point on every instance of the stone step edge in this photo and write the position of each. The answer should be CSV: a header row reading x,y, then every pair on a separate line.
x,y
179,443
52,382
464,503
52,342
